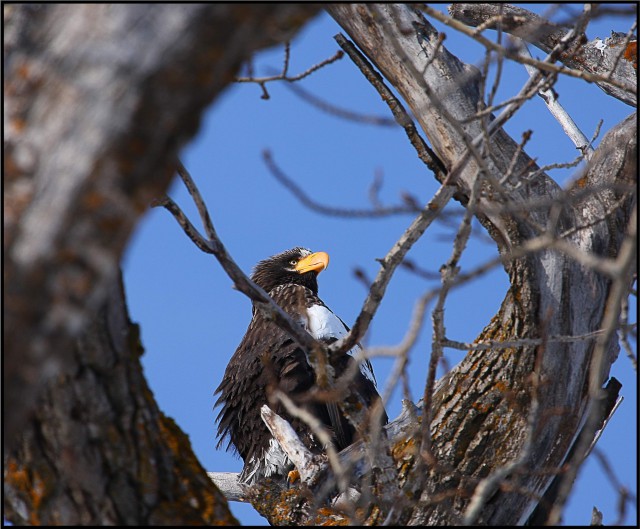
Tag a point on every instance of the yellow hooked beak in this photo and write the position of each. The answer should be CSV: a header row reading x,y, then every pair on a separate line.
x,y
315,262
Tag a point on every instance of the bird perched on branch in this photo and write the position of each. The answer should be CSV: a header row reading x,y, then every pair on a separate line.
x,y
268,358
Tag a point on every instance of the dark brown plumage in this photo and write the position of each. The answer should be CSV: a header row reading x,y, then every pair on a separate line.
x,y
267,357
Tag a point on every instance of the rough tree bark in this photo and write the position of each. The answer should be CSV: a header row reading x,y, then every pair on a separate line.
x,y
99,451
596,56
503,422
98,101
481,409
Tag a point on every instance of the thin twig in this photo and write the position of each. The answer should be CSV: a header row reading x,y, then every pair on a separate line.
x,y
284,76
499,66
623,334
212,244
306,200
484,164
520,343
625,496
388,265
323,436
511,19
420,272
291,78
537,30
343,113
545,65
449,272
526,136
399,113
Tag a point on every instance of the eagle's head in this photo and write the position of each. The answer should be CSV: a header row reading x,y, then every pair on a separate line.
x,y
298,265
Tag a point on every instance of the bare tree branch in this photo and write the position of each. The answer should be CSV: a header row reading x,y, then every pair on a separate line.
x,y
499,439
596,61
305,199
95,431
384,34
600,361
402,118
558,112
388,265
282,431
214,245
284,75
340,112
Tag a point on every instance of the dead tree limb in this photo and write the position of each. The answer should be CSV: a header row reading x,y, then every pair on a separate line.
x,y
615,56
504,422
480,408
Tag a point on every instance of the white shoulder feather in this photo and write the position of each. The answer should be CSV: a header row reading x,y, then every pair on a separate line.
x,y
324,325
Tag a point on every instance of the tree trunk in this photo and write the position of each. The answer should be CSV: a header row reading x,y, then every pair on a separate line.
x,y
98,451
98,99
482,409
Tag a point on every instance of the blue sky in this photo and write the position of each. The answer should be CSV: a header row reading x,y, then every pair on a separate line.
x,y
192,319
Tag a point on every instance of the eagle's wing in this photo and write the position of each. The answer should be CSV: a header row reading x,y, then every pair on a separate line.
x,y
297,376
267,358
323,324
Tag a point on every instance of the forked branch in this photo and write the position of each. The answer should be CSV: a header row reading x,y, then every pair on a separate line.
x,y
213,245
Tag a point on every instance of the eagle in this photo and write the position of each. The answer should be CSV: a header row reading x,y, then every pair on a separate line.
x,y
268,358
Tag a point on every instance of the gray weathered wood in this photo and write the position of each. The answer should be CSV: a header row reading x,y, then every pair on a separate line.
x,y
98,100
481,408
229,485
597,56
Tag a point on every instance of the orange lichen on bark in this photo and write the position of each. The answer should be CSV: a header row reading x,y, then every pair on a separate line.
x,y
404,453
502,387
93,200
326,516
482,408
168,431
631,53
283,506
277,506
207,500
582,182
28,484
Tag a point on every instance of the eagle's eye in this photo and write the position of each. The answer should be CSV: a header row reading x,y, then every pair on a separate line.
x,y
293,262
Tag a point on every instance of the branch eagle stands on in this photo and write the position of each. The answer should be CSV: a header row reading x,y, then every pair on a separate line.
x,y
268,359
